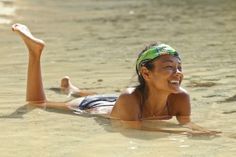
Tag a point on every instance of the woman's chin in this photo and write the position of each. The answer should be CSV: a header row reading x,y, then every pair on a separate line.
x,y
176,90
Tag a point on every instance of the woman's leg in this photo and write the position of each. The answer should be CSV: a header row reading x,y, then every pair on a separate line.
x,y
68,88
34,91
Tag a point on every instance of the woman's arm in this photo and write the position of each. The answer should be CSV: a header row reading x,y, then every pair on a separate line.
x,y
182,102
184,130
196,127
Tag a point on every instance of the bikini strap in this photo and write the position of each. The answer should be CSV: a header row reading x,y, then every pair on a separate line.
x,y
141,106
168,109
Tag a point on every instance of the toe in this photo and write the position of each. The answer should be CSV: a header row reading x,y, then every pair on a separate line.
x,y
13,27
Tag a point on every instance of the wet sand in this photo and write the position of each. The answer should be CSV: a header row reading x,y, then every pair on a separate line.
x,y
96,43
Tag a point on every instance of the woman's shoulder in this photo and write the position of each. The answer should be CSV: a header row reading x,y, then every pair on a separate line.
x,y
180,103
130,96
180,95
127,105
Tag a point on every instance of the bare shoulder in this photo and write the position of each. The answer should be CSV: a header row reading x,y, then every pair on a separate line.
x,y
183,95
127,106
180,103
129,96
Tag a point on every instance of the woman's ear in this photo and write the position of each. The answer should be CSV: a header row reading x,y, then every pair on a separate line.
x,y
145,73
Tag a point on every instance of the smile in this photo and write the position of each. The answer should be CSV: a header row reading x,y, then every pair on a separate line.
x,y
175,82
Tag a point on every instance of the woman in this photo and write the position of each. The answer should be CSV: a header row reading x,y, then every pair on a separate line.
x,y
159,95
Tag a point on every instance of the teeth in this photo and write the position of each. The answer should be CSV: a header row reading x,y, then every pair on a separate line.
x,y
174,81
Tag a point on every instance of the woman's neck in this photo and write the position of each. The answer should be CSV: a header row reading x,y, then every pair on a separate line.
x,y
155,101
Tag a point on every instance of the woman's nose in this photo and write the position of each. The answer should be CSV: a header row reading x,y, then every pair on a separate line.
x,y
178,72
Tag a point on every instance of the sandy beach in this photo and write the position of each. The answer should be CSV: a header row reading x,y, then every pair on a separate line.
x,y
96,44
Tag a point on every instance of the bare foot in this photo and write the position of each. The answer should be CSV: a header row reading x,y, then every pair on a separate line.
x,y
33,44
67,87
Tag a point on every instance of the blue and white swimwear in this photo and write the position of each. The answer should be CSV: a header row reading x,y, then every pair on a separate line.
x,y
94,101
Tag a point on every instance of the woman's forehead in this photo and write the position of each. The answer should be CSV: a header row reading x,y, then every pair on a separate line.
x,y
168,58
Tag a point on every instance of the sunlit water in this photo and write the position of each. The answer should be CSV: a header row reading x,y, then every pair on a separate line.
x,y
95,42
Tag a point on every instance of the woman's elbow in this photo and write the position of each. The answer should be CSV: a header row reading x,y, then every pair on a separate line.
x,y
183,119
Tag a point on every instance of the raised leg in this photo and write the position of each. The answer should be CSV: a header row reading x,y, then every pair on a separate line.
x,y
34,91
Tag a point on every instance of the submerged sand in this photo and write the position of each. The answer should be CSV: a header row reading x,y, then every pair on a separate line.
x,y
96,43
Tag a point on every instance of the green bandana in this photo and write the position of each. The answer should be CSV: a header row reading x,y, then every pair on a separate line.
x,y
155,52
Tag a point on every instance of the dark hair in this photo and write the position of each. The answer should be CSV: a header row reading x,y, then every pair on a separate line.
x,y
149,65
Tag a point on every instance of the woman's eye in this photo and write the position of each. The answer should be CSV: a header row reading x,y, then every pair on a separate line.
x,y
169,67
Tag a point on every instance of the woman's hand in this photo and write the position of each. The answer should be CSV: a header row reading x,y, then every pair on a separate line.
x,y
198,130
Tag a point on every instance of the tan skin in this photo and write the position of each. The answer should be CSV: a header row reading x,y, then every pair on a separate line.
x,y
159,91
162,88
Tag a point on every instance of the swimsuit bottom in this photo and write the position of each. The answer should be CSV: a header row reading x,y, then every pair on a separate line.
x,y
95,101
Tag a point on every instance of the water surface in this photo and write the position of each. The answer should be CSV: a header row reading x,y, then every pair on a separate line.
x,y
95,42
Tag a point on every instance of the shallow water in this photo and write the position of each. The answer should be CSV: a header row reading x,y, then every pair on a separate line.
x,y
95,43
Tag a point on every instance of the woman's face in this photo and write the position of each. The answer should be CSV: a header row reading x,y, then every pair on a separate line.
x,y
166,74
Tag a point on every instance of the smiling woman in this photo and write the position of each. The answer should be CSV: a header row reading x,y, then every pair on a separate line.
x,y
158,97
159,72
